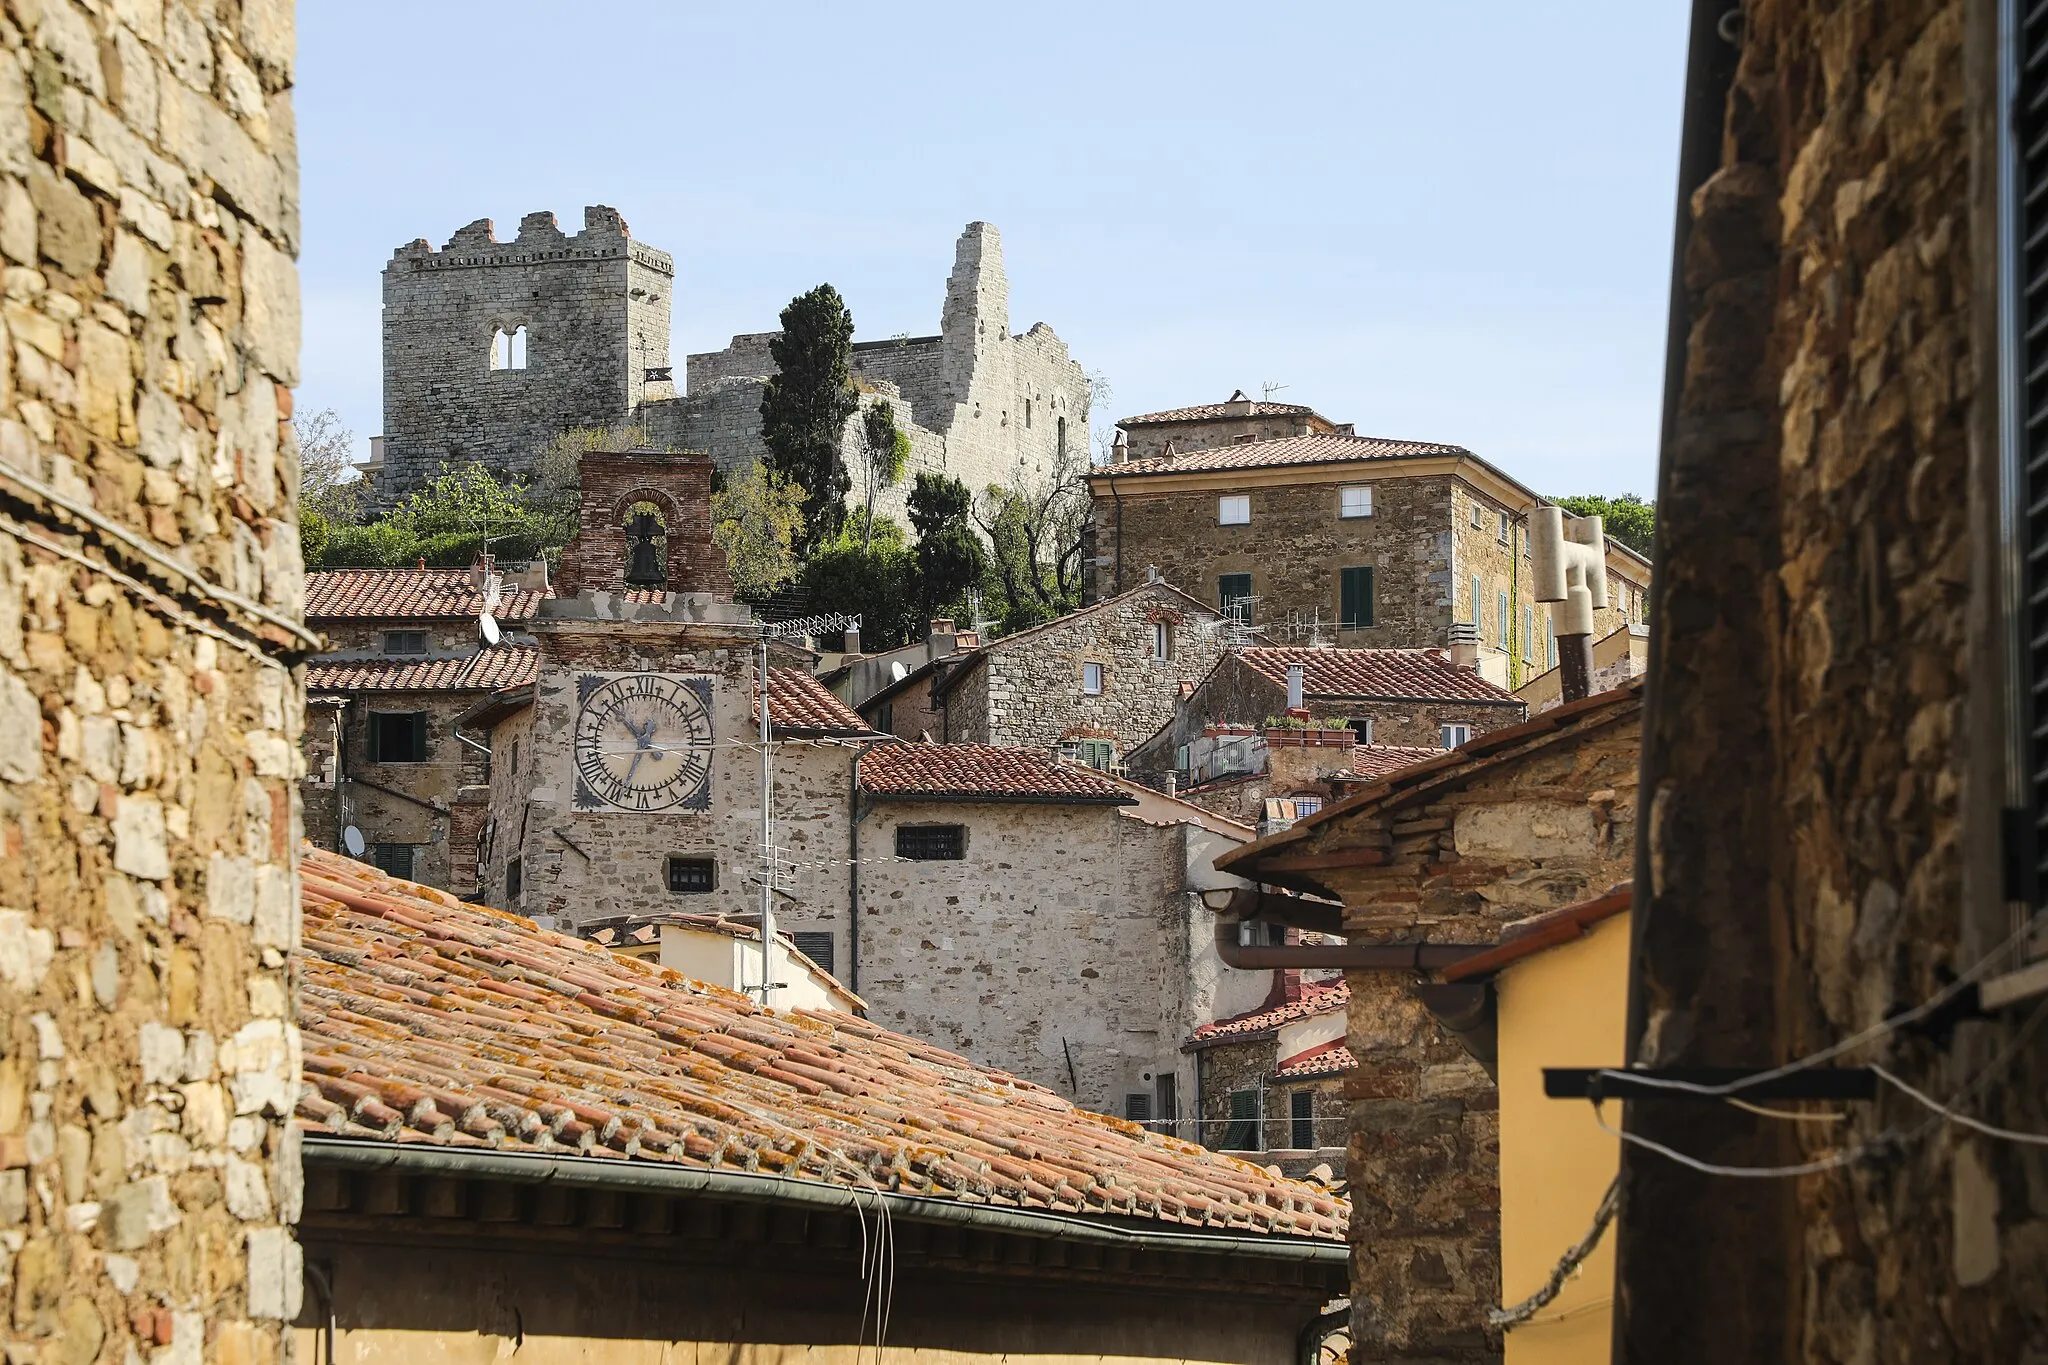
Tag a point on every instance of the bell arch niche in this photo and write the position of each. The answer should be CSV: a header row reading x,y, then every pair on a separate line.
x,y
646,532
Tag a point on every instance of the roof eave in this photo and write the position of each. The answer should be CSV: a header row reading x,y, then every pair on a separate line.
x,y
1001,798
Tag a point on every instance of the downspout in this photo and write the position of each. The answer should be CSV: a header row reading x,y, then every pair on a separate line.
x,y
1381,957
1308,1344
340,777
854,815
1117,583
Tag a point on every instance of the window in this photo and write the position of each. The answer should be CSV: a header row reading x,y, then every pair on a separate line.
x,y
1138,1107
1233,587
1478,605
1162,640
513,758
1550,636
1091,679
1451,736
931,843
1060,439
692,876
1166,1097
1096,753
1478,515
1301,1114
1361,729
405,642
815,944
398,737
1354,597
1243,1133
1355,501
1503,536
515,883
508,349
1027,414
394,860
1501,621
1235,510
1305,806
1528,634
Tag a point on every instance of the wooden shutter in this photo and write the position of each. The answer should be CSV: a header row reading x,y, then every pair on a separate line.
x,y
1354,597
1301,1114
1243,1133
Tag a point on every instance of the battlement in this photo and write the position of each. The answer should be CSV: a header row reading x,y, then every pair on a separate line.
x,y
540,240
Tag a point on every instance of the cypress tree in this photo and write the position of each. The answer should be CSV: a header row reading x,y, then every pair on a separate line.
x,y
806,404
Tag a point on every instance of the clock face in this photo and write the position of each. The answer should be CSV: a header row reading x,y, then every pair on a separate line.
x,y
643,742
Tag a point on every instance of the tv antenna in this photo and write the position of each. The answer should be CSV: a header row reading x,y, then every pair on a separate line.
x,y
1237,617
1271,387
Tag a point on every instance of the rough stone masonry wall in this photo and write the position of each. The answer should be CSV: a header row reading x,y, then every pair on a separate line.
x,y
1837,428
595,305
1406,541
148,336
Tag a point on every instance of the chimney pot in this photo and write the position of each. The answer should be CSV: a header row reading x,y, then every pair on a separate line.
x,y
1297,676
1464,650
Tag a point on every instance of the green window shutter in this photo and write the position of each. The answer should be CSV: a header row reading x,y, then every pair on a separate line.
x,y
1230,587
1478,606
1354,606
1501,620
1243,1133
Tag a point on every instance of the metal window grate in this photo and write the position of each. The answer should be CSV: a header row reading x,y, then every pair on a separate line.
x,y
692,876
931,843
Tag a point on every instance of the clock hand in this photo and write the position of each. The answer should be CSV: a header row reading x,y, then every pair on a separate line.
x,y
630,767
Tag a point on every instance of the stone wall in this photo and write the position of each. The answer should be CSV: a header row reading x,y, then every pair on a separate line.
x,y
1149,439
595,306
1828,742
1026,689
148,339
1249,1065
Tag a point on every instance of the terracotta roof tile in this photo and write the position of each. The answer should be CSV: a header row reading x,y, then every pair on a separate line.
x,y
798,701
1373,760
429,1021
1324,1059
1207,412
1288,450
1316,999
1424,674
484,671
409,595
981,771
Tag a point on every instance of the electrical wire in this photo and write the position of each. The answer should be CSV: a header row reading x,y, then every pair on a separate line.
x,y
1828,1163
1789,1115
1948,1113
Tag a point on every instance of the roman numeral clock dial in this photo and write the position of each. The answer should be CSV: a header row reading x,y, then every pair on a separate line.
x,y
643,742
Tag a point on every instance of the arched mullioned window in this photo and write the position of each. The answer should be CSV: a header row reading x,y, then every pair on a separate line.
x,y
508,349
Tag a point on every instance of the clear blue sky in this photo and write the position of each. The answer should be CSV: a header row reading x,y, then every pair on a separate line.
x,y
1446,221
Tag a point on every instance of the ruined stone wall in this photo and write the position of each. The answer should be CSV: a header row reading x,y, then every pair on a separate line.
x,y
595,305
1829,523
148,761
1057,938
1032,681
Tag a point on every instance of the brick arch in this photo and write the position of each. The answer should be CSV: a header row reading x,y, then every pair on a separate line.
x,y
679,486
622,505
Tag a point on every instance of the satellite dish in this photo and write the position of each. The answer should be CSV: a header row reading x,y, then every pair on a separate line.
x,y
487,627
352,840
897,672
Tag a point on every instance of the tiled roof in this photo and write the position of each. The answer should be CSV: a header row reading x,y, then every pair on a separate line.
x,y
1207,412
957,667
484,671
1425,674
428,1021
1288,450
798,701
641,931
1372,760
1314,1000
1324,1059
409,595
987,772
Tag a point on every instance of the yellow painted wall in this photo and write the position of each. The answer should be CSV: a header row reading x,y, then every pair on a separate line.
x,y
1566,1006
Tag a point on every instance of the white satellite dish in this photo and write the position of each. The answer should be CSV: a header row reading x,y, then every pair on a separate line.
x,y
897,672
487,627
352,840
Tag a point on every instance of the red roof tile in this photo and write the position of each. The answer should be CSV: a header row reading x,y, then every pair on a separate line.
x,y
409,595
1288,450
484,671
1372,760
1422,674
798,701
1208,412
981,772
1324,1059
1317,999
425,1020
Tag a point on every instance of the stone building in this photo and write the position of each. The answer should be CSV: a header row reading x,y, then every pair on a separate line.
x,y
1345,539
1845,724
792,1168
383,750
1272,1078
979,403
1237,420
493,348
1091,684
150,628
1430,862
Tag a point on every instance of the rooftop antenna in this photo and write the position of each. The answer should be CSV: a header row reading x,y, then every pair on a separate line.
x,y
1238,616
1269,388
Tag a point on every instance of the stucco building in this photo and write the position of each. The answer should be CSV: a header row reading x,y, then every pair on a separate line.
x,y
1358,541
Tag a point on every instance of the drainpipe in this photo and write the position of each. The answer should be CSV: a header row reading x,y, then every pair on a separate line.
x,y
1308,1345
1241,904
1117,584
854,815
340,777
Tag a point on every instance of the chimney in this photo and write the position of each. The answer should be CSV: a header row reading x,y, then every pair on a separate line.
x,y
1464,646
851,643
1297,677
1237,405
1120,448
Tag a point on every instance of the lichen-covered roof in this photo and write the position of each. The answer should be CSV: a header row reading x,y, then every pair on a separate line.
x,y
1376,760
484,671
1317,999
410,595
951,772
1425,674
429,1021
1325,448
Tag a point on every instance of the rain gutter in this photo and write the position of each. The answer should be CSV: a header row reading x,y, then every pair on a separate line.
x,y
663,1178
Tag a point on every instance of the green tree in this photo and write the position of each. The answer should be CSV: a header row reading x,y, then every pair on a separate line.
x,y
447,522
949,554
886,451
757,516
806,403
1034,529
1627,518
871,573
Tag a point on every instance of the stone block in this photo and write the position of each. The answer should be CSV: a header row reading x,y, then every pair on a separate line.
x,y
67,226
